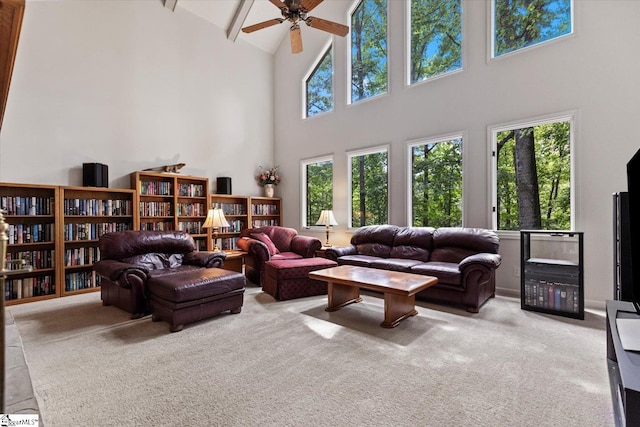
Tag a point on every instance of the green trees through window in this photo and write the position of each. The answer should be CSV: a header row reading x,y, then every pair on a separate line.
x,y
522,23
318,184
368,49
319,86
369,188
435,38
533,177
436,183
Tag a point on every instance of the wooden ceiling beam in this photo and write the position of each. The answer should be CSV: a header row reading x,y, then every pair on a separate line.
x,y
238,20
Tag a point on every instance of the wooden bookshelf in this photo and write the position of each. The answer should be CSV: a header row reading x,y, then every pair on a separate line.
x,y
30,211
236,211
86,214
265,211
172,202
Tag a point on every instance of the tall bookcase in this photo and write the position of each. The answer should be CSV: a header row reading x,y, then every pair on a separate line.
x,y
265,211
236,211
172,202
30,211
87,213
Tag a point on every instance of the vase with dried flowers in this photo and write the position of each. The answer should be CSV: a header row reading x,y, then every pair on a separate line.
x,y
268,178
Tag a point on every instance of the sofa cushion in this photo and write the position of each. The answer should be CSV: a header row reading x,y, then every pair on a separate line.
x,y
359,260
286,255
446,272
395,264
267,241
413,243
124,244
155,261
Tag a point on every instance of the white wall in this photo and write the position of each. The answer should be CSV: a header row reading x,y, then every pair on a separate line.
x,y
134,85
594,72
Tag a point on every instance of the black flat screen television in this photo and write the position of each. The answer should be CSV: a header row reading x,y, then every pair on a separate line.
x,y
633,185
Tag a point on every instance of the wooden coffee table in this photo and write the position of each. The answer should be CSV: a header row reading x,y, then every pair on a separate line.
x,y
400,289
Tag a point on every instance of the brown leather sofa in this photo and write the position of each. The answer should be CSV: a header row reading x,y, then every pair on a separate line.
x,y
463,259
129,259
272,242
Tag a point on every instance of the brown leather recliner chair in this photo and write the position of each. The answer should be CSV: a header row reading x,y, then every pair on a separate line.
x,y
130,258
273,243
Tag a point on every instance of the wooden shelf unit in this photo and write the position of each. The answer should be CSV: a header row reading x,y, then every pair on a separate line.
x,y
172,202
236,211
265,211
31,212
87,213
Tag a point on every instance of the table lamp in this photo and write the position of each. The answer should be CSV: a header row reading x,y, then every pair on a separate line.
x,y
327,219
215,219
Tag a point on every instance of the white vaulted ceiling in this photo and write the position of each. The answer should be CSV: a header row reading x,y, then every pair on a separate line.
x,y
222,13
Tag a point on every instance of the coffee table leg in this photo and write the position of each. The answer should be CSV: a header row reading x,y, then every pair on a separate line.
x,y
341,295
397,308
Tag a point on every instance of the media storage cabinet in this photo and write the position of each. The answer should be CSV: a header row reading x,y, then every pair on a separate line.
x,y
552,272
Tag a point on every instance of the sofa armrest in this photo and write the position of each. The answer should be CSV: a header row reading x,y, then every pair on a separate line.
x,y
255,248
205,259
333,253
490,261
305,246
119,272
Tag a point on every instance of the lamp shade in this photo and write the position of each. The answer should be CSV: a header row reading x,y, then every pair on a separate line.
x,y
215,219
327,218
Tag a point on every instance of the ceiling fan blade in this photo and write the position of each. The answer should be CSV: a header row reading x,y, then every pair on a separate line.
x,y
309,5
296,39
261,25
329,26
277,3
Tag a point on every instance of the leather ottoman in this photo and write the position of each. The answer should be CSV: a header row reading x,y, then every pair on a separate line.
x,y
289,278
190,296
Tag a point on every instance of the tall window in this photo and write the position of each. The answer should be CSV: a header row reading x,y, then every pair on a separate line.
x,y
368,49
319,85
435,38
369,176
436,183
517,24
317,186
533,173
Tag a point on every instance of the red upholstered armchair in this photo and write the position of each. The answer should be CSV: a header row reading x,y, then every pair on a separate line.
x,y
273,243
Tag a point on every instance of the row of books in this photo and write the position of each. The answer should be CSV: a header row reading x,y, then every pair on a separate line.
x,y
191,190
97,207
263,222
230,243
30,233
552,295
233,208
29,287
81,256
81,280
36,259
156,209
264,209
156,188
33,205
91,231
234,226
193,227
156,225
191,209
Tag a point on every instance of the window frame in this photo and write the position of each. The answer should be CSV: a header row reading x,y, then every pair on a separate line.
x,y
304,163
350,100
327,48
407,49
491,40
409,169
492,132
386,148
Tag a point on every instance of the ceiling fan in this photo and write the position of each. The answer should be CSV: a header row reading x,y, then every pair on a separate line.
x,y
296,11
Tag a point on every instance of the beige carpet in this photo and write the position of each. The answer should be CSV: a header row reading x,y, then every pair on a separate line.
x,y
291,363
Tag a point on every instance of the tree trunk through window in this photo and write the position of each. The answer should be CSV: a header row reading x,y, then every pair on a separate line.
x,y
527,180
